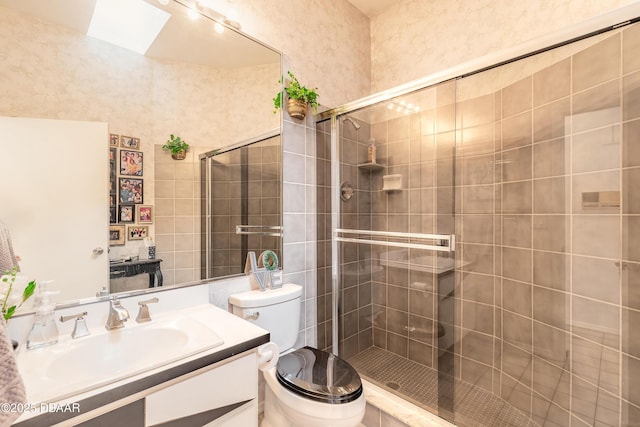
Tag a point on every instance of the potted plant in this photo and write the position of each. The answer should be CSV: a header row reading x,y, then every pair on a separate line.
x,y
298,98
11,299
177,147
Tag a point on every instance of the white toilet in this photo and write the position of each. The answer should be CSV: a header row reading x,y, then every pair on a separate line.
x,y
308,387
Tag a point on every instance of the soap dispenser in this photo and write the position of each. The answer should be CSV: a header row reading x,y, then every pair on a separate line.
x,y
44,331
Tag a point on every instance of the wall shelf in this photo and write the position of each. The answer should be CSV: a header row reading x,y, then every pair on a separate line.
x,y
374,167
392,182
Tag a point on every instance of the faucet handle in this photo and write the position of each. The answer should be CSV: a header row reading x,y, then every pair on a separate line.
x,y
80,328
143,314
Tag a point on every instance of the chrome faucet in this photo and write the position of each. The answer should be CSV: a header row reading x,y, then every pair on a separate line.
x,y
80,328
143,314
117,315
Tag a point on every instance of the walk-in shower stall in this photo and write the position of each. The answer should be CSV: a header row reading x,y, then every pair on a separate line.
x,y
485,264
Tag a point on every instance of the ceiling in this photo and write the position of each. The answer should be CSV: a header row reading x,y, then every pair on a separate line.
x,y
175,41
372,8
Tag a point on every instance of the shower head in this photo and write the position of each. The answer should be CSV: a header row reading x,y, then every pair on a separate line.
x,y
350,120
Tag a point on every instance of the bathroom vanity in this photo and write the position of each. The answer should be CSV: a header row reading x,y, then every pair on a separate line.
x,y
191,365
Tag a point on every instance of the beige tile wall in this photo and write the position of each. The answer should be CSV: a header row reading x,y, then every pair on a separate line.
x,y
561,331
546,302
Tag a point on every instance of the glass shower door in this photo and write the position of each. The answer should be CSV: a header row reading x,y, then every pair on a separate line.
x,y
395,244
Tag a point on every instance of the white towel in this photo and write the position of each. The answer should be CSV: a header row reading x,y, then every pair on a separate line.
x,y
11,385
7,256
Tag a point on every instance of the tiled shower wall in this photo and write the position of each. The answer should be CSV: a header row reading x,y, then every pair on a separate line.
x,y
547,223
299,218
177,215
387,295
244,180
548,180
178,209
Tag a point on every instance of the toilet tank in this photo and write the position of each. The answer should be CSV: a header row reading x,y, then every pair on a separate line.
x,y
276,310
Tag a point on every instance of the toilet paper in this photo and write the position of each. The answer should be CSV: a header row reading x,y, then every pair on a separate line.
x,y
268,355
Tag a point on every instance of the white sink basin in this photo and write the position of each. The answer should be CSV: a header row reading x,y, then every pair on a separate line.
x,y
75,366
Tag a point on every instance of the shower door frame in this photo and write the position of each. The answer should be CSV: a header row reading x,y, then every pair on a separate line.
x,y
615,19
206,247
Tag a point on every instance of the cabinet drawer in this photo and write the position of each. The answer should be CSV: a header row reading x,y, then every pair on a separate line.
x,y
207,396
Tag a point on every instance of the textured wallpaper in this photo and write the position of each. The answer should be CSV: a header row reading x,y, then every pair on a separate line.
x,y
327,43
53,72
419,37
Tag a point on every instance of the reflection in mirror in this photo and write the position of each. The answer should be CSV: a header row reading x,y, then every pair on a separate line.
x,y
211,89
241,205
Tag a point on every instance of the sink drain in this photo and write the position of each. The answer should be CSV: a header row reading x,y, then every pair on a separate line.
x,y
392,385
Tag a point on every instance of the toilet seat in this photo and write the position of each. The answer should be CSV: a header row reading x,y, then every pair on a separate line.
x,y
319,376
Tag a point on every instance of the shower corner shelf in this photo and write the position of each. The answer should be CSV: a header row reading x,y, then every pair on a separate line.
x,y
374,167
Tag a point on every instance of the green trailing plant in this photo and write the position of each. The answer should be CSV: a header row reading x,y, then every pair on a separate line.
x,y
10,300
175,145
296,91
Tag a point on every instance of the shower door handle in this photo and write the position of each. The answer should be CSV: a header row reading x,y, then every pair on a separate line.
x,y
443,242
263,230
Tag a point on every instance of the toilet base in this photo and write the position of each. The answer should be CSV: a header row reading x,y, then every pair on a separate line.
x,y
283,408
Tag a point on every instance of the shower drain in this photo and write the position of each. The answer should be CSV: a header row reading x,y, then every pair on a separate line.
x,y
393,385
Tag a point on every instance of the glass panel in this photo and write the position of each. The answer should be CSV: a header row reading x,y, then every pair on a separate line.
x,y
244,189
397,176
535,167
539,169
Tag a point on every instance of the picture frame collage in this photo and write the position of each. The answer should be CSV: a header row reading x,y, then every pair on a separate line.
x,y
126,191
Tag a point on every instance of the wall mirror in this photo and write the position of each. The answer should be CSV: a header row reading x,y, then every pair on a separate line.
x,y
71,101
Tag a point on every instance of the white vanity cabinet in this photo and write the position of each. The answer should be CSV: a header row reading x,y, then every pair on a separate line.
x,y
223,394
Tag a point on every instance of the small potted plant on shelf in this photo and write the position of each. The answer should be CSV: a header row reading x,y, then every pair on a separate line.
x,y
298,98
177,147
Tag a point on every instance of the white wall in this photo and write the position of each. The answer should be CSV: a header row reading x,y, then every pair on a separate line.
x,y
56,240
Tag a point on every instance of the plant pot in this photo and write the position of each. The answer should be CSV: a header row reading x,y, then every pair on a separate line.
x,y
179,156
297,108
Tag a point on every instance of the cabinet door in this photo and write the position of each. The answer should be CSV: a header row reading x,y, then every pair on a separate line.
x,y
213,397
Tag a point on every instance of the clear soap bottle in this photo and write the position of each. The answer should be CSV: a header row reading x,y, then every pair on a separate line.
x,y
44,331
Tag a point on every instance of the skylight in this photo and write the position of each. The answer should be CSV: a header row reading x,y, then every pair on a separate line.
x,y
132,24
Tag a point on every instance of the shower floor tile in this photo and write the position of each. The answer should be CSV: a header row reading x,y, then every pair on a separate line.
x,y
419,385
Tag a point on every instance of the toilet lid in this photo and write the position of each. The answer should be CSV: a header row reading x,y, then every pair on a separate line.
x,y
319,375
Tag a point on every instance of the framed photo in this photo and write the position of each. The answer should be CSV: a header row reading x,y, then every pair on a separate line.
x,y
112,200
127,212
145,214
131,162
112,154
130,190
137,232
114,139
113,218
129,142
116,235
